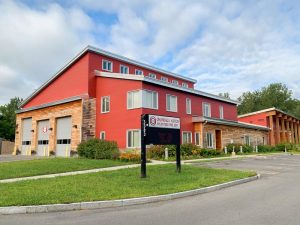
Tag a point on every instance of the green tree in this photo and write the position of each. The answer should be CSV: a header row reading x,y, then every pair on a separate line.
x,y
274,95
8,118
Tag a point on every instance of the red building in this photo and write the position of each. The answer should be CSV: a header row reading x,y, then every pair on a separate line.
x,y
284,128
101,94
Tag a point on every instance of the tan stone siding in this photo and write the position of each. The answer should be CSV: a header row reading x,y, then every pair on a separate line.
x,y
88,119
73,109
232,134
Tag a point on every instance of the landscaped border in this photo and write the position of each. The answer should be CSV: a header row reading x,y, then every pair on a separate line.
x,y
120,202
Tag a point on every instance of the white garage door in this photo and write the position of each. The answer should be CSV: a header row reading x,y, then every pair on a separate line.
x,y
63,136
26,136
43,138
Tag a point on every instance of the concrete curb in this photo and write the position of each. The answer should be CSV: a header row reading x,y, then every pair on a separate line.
x,y
118,203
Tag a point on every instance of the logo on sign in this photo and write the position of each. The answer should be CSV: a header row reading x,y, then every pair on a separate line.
x,y
152,121
45,129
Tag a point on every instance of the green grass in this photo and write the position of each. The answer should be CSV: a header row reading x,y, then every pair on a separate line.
x,y
119,184
53,165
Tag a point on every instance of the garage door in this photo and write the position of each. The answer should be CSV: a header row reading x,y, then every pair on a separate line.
x,y
26,136
43,138
63,136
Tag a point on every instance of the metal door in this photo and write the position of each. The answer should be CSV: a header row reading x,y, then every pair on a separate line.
x,y
43,138
26,136
63,136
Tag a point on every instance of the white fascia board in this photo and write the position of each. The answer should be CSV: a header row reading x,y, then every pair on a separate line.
x,y
257,112
162,83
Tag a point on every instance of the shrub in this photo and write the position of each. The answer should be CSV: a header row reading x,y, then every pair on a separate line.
x,y
237,146
209,152
156,152
98,149
282,146
265,148
187,149
130,157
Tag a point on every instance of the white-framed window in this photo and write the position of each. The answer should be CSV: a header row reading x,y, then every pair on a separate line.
x,y
188,106
138,72
206,109
102,135
247,140
185,85
171,103
186,137
152,75
105,104
133,139
142,98
124,69
221,112
209,140
107,65
175,82
164,79
150,99
197,138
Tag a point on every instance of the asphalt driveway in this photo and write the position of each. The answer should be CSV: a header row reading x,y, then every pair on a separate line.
x,y
272,200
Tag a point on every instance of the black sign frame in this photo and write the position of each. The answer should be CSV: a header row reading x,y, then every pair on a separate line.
x,y
156,135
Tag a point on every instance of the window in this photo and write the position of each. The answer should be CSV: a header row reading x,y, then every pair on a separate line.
x,y
124,69
221,112
152,75
102,135
164,79
142,98
209,140
150,99
206,109
185,85
188,106
105,104
138,72
133,139
171,103
175,82
247,140
197,138
106,65
186,137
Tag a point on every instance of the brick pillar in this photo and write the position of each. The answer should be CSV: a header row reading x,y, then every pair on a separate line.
x,y
271,133
292,132
296,132
52,134
283,131
288,131
277,138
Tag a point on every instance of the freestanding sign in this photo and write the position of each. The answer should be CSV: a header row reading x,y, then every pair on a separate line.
x,y
159,130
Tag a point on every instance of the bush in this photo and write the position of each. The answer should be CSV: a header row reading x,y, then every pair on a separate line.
x,y
187,149
237,146
130,157
98,149
281,147
265,148
158,151
209,153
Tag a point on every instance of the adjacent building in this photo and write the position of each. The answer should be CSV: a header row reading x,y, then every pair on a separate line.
x,y
284,128
103,95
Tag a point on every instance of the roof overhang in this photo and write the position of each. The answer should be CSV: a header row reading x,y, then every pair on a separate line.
x,y
267,110
203,119
164,84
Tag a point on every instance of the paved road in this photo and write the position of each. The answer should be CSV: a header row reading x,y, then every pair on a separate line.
x,y
274,200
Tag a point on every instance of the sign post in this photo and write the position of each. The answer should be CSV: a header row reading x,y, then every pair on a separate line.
x,y
159,130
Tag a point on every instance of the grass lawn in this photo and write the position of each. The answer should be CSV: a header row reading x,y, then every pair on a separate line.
x,y
125,183
52,165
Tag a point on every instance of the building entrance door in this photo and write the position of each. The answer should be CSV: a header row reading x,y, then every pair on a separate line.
x,y
218,139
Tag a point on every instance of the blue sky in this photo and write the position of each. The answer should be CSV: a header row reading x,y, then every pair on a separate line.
x,y
228,46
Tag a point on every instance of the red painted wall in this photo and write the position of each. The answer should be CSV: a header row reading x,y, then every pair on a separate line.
x,y
259,119
73,82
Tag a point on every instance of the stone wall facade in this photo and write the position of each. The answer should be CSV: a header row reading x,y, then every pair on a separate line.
x,y
88,119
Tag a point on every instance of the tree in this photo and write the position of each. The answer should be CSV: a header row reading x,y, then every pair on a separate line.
x,y
274,95
8,118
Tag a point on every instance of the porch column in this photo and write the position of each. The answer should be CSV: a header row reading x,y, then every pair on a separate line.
x,y
277,140
271,133
292,131
283,131
288,137
296,132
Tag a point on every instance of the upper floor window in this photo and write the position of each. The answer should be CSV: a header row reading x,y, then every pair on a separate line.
x,y
106,65
165,79
124,69
185,85
206,109
188,106
171,103
152,75
138,72
175,82
105,104
221,112
142,98
186,137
